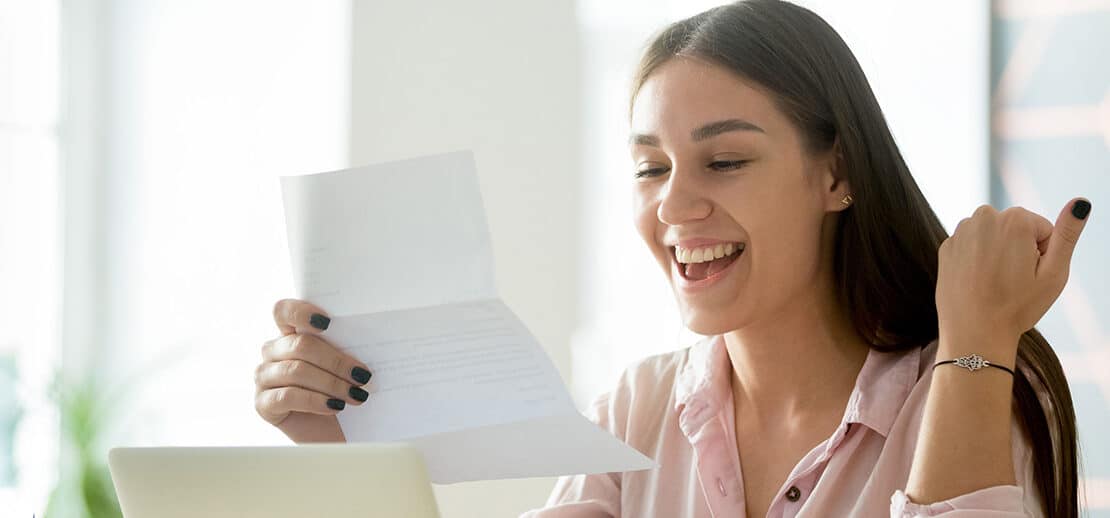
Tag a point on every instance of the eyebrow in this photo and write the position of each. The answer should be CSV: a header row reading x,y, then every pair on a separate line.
x,y
704,132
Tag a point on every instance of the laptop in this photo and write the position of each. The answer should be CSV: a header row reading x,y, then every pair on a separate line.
x,y
356,480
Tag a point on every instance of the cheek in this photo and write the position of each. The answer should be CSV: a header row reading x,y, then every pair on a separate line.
x,y
786,253
784,236
645,217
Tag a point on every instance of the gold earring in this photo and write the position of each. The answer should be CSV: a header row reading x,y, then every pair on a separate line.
x,y
847,200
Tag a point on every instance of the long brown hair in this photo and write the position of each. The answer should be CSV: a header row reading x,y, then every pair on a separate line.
x,y
886,244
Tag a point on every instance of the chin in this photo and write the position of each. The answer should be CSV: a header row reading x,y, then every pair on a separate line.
x,y
709,322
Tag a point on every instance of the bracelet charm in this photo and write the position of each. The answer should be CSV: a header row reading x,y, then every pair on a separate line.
x,y
973,362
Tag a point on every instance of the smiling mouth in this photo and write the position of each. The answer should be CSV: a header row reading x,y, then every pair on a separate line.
x,y
701,263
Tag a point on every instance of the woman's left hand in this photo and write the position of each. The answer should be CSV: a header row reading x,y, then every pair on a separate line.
x,y
999,273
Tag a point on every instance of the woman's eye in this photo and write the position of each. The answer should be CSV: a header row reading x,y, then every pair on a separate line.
x,y
650,172
727,165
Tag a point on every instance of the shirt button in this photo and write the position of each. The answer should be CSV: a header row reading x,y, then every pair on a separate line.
x,y
793,494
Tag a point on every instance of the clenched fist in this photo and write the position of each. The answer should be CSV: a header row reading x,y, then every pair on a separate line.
x,y
999,272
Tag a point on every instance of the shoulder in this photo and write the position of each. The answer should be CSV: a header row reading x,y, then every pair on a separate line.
x,y
652,375
642,394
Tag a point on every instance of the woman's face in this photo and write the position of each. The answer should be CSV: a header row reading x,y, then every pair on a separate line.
x,y
719,169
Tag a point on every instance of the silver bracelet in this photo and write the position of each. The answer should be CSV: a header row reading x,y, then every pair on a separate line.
x,y
973,362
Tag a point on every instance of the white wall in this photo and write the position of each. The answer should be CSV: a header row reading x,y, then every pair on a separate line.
x,y
499,77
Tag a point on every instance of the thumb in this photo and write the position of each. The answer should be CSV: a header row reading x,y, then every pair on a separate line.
x,y
1065,235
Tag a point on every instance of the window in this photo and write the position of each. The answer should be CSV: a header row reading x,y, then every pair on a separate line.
x,y
164,135
29,249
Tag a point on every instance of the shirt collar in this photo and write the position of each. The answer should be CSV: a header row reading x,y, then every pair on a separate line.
x,y
704,386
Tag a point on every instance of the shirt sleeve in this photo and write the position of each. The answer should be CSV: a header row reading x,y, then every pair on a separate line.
x,y
586,496
1008,501
994,502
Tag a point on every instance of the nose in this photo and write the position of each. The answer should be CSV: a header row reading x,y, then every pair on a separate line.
x,y
682,200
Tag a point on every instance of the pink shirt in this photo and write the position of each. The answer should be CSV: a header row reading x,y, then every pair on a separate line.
x,y
677,409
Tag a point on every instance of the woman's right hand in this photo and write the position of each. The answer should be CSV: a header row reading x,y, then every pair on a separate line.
x,y
303,381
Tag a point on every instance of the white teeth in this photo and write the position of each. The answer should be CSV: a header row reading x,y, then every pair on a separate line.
x,y
705,254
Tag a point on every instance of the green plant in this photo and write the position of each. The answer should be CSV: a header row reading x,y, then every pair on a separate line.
x,y
84,487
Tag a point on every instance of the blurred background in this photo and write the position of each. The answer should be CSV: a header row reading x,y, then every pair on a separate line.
x,y
141,234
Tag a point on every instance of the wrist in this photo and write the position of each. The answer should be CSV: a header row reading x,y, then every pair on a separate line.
x,y
997,347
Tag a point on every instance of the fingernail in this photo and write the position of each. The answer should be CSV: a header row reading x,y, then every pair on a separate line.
x,y
358,393
336,404
1081,209
319,321
360,375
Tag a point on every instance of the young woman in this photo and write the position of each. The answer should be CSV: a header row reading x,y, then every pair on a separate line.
x,y
859,361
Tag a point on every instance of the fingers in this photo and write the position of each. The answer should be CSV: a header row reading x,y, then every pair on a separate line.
x,y
984,210
1042,230
1065,235
314,350
299,373
275,404
292,315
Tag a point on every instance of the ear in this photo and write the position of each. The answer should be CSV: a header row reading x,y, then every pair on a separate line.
x,y
836,190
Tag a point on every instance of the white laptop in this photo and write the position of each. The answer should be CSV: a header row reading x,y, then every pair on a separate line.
x,y
355,480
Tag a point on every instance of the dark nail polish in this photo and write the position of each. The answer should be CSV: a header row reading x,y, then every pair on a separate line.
x,y
319,321
360,375
336,404
358,393
1081,209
